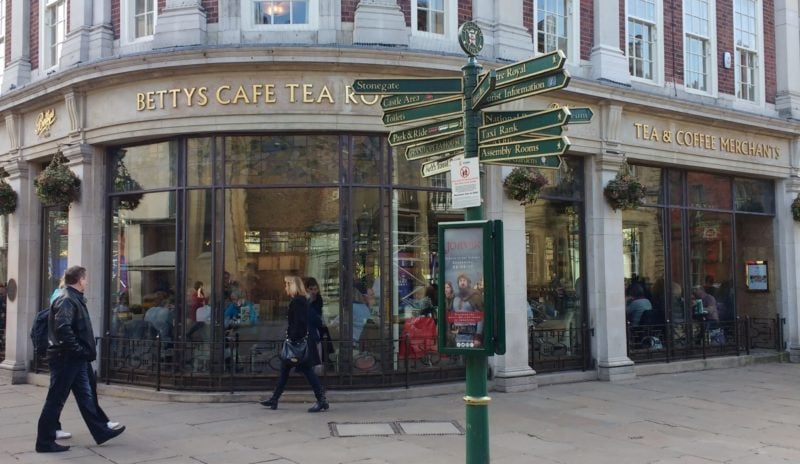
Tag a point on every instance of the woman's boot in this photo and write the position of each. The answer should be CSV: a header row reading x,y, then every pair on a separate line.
x,y
272,403
320,405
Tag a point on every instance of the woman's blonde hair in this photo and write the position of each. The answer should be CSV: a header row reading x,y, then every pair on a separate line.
x,y
296,283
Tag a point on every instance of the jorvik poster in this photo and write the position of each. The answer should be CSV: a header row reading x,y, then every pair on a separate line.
x,y
464,287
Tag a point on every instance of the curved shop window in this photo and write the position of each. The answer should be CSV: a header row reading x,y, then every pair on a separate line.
x,y
554,262
203,230
692,242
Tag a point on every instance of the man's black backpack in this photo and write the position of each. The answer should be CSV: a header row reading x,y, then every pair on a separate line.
x,y
39,332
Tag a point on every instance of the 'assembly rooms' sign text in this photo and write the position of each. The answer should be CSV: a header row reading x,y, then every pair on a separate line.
x,y
702,140
249,94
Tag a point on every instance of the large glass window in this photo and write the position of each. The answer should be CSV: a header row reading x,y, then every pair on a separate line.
x,y
55,240
641,37
554,262
2,37
143,267
698,30
280,12
213,245
697,261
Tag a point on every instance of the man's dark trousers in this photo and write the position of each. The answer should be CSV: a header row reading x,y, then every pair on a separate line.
x,y
70,375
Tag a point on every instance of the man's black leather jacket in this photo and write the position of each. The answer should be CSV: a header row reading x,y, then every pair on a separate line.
x,y
70,328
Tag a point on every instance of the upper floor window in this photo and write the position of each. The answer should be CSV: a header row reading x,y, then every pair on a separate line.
x,y
745,36
140,19
293,14
642,37
698,30
54,31
434,17
552,25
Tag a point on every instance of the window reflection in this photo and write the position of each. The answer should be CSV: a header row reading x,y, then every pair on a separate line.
x,y
143,276
281,159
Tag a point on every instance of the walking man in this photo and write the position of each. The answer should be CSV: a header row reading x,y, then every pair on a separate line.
x,y
70,356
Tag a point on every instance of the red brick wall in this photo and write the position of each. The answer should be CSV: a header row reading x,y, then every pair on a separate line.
x,y
115,6
161,5
349,10
405,6
527,16
464,11
725,77
211,8
771,89
34,34
673,41
587,28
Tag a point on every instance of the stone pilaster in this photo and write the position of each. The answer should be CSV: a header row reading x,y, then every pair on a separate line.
x,y
787,60
86,239
608,60
511,371
604,263
380,22
76,43
18,63
510,40
182,23
24,250
788,237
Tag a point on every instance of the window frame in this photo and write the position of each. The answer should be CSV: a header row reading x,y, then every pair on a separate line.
x,y
49,59
711,59
572,13
247,8
658,36
128,22
757,50
450,21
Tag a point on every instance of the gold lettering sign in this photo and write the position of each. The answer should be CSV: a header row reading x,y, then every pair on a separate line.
x,y
248,94
44,121
705,141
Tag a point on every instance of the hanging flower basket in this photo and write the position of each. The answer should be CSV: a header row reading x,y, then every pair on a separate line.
x,y
524,185
796,208
57,185
625,191
8,198
124,182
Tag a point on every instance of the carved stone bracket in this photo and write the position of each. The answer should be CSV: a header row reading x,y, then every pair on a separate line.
x,y
76,109
14,130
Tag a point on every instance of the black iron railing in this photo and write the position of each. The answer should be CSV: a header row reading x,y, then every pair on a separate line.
x,y
551,350
238,365
702,339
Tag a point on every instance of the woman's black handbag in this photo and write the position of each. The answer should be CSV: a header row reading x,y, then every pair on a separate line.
x,y
294,353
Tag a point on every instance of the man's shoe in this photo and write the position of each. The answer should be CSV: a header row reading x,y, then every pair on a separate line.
x,y
51,448
113,425
62,435
112,433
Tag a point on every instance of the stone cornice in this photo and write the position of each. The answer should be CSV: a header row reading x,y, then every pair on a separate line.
x,y
362,62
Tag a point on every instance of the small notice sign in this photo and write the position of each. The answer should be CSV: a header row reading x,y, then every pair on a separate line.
x,y
466,185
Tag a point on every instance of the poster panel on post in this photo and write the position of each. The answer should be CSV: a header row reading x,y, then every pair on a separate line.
x,y
466,280
757,276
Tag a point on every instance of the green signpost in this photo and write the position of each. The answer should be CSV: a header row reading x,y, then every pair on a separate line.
x,y
438,109
527,149
451,85
523,125
426,132
514,138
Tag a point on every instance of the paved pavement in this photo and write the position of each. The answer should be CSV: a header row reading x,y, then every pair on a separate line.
x,y
744,415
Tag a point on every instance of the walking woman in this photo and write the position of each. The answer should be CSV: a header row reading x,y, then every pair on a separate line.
x,y
303,322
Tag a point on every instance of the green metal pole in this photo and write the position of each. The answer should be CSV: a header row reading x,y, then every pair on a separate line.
x,y
476,399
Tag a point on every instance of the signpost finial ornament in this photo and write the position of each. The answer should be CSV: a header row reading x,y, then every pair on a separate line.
x,y
470,37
